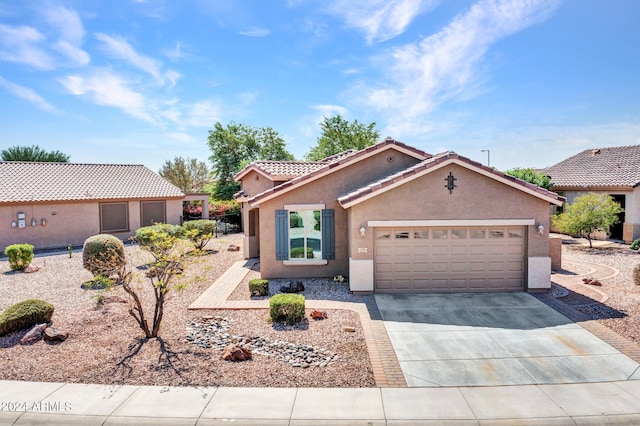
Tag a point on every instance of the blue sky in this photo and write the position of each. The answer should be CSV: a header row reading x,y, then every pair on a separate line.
x,y
124,81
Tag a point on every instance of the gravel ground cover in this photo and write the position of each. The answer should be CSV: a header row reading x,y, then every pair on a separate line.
x,y
621,311
106,346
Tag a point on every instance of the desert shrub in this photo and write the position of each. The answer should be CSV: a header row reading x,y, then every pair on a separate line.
x,y
147,236
258,287
636,274
635,245
103,254
287,308
20,255
298,253
200,231
99,282
24,315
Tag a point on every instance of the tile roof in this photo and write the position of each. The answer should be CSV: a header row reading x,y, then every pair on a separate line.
x,y
281,170
335,164
339,156
407,174
599,167
33,182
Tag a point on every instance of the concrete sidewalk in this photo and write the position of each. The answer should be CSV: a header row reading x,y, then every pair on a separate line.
x,y
25,403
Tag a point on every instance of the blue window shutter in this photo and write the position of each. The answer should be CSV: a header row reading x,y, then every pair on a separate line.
x,y
282,235
328,235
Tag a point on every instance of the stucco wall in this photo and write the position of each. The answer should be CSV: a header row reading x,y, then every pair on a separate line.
x,y
325,190
69,223
475,197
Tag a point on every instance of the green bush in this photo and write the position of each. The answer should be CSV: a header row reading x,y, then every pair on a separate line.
x,y
24,315
145,236
99,282
20,255
103,254
200,231
298,253
258,287
287,308
635,245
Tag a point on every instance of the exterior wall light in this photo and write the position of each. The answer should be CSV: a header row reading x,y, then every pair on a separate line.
x,y
34,222
540,229
363,231
43,221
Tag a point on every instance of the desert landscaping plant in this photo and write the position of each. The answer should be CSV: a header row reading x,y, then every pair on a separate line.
x,y
200,232
147,237
258,287
25,314
635,245
20,255
636,274
587,214
103,254
288,308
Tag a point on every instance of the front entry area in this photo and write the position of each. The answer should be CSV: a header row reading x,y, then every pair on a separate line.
x,y
449,259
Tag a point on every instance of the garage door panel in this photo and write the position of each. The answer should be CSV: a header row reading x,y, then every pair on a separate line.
x,y
453,259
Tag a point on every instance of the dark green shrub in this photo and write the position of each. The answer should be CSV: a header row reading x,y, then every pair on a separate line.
x,y
103,254
24,315
20,255
635,245
298,253
287,308
200,231
258,287
99,282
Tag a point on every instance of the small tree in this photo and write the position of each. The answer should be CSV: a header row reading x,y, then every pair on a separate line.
x,y
33,153
589,213
531,176
188,174
200,232
339,135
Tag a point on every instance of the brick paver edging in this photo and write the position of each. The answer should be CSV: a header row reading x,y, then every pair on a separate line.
x,y
386,369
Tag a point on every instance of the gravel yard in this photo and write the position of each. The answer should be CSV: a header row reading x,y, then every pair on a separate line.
x,y
105,345
621,311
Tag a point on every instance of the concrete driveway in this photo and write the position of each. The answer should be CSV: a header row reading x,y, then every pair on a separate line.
x,y
494,339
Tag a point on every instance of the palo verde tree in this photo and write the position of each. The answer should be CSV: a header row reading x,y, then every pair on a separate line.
x,y
188,174
531,176
33,153
339,135
587,214
235,145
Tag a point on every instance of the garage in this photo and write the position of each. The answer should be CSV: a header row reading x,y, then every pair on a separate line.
x,y
449,259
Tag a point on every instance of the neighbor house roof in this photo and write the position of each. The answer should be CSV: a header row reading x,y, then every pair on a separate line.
x,y
599,167
437,161
336,164
280,170
38,182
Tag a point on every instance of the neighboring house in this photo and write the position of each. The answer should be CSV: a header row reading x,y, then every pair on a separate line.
x,y
56,204
614,171
396,219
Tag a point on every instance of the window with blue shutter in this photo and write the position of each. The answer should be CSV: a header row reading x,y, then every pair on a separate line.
x,y
328,235
305,233
282,235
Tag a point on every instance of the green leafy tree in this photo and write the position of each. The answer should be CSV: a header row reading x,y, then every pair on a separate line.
x,y
235,146
339,135
33,153
188,174
531,176
589,213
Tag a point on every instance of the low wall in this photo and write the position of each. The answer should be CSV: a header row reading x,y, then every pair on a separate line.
x,y
555,253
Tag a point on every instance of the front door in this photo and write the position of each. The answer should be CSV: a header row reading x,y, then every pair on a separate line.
x,y
617,229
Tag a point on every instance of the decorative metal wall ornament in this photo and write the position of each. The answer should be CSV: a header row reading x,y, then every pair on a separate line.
x,y
450,182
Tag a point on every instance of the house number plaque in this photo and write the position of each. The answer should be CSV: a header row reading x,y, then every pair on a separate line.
x,y
450,182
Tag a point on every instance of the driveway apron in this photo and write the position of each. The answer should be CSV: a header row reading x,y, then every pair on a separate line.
x,y
494,339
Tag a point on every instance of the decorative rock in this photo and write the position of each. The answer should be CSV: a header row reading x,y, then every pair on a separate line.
x,y
233,247
30,269
349,329
296,287
338,279
53,335
33,335
596,283
236,353
318,315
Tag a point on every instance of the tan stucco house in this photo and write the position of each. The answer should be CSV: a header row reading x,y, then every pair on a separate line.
x,y
56,204
614,171
394,218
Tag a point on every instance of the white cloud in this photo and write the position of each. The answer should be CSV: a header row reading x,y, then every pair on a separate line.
x,y
446,65
77,55
69,25
330,110
256,32
203,113
181,136
175,53
380,20
27,94
105,88
21,45
119,48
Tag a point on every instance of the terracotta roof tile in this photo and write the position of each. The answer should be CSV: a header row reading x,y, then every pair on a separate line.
x,y
429,163
30,181
599,167
285,170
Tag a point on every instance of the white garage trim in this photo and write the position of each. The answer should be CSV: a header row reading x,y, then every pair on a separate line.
x,y
463,222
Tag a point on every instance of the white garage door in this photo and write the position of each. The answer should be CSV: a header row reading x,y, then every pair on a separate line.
x,y
455,259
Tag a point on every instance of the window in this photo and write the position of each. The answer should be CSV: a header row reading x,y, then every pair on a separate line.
x,y
440,234
422,235
152,212
477,233
402,235
458,233
305,233
114,217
